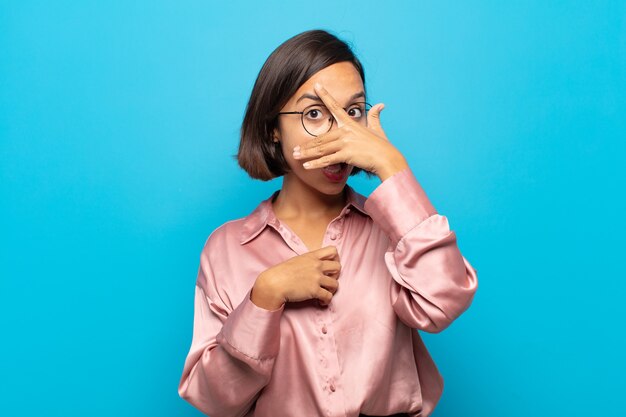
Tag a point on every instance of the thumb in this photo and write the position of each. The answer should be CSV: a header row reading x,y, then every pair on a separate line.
x,y
373,117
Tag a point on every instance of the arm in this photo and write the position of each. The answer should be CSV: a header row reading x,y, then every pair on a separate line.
x,y
232,352
432,282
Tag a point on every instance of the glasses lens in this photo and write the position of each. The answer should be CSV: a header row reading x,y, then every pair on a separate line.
x,y
318,120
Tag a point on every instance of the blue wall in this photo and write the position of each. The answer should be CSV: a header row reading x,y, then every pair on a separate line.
x,y
118,120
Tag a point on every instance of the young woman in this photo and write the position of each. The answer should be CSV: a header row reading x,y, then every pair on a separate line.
x,y
308,306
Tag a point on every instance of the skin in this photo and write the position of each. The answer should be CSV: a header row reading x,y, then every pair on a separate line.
x,y
308,201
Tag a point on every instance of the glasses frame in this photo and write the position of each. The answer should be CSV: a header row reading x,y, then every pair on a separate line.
x,y
301,113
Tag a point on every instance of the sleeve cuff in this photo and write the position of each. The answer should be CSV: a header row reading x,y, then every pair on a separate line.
x,y
399,204
253,331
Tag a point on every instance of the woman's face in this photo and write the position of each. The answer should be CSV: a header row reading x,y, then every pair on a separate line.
x,y
344,83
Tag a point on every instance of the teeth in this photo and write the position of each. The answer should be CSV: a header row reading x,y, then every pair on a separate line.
x,y
333,168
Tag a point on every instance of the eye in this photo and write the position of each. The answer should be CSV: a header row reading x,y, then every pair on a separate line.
x,y
356,111
316,113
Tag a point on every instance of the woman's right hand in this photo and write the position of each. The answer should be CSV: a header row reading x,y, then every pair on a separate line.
x,y
310,275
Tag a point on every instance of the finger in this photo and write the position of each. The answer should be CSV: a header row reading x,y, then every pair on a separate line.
x,y
340,114
327,252
324,296
326,160
320,148
373,117
327,137
329,284
333,275
330,266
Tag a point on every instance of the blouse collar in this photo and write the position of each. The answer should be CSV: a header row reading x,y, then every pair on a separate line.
x,y
264,215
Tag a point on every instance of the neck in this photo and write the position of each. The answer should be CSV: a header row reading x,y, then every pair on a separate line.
x,y
298,200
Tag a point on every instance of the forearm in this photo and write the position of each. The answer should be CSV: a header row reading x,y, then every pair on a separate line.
x,y
229,363
432,282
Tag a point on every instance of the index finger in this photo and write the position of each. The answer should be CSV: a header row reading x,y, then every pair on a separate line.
x,y
327,252
340,114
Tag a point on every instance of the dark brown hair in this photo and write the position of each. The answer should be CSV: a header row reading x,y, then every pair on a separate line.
x,y
285,70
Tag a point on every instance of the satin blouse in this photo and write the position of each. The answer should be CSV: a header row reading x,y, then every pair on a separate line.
x,y
401,270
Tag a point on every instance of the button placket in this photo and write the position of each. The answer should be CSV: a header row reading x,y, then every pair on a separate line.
x,y
323,351
340,227
333,364
335,229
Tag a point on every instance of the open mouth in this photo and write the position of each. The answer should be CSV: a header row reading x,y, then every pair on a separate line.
x,y
336,168
336,172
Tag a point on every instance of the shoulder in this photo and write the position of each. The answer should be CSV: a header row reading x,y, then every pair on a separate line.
x,y
225,236
219,249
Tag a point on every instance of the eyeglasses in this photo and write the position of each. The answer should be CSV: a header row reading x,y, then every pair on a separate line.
x,y
317,119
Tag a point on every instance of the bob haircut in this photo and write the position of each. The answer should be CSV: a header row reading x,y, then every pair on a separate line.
x,y
285,70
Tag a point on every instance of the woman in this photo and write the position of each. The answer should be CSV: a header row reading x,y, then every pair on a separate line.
x,y
308,306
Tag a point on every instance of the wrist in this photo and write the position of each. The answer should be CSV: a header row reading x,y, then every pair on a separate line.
x,y
391,167
264,296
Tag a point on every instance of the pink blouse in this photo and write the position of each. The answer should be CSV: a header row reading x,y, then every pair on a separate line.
x,y
401,269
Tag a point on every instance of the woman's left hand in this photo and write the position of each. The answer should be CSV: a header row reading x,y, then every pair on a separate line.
x,y
366,147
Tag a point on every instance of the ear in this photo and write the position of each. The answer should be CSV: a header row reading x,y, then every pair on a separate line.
x,y
276,135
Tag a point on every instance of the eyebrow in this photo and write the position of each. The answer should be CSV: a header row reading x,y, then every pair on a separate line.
x,y
316,98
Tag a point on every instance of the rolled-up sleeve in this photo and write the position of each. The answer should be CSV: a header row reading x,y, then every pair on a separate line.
x,y
432,282
232,352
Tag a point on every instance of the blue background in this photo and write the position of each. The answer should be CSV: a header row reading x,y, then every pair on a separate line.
x,y
118,120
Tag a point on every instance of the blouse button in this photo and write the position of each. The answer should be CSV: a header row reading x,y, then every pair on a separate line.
x,y
333,236
332,387
324,330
